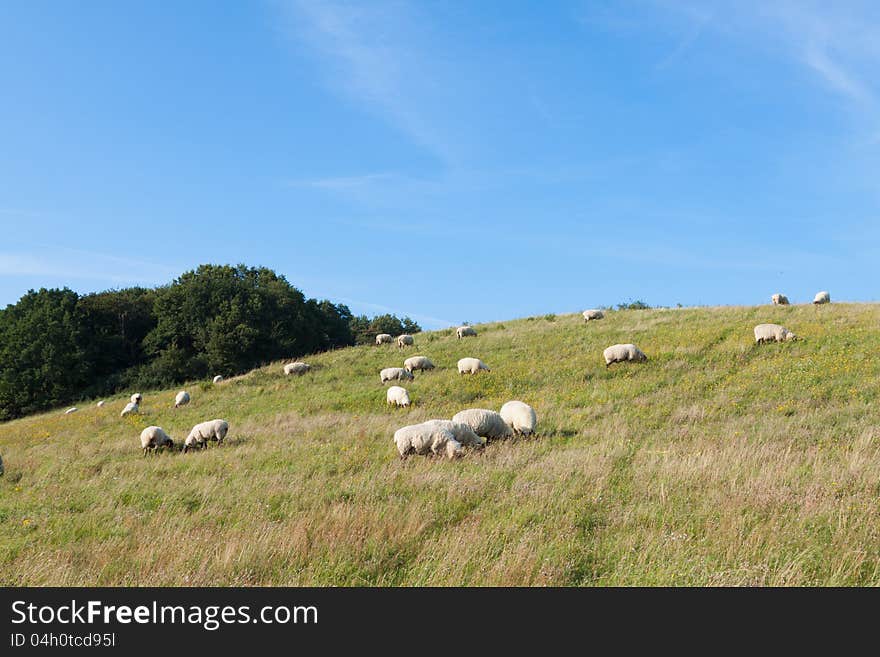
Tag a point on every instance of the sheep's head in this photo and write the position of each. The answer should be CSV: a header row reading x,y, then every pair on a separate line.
x,y
789,336
453,449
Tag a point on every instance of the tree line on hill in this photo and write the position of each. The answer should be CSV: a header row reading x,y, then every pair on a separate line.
x,y
57,346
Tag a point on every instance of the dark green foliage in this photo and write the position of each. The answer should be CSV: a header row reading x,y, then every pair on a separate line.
x,y
42,352
633,305
56,346
365,329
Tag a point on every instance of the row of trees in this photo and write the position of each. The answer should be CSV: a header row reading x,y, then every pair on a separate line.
x,y
56,346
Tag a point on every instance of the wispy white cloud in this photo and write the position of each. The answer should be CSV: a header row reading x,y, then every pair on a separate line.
x,y
425,320
370,54
56,263
343,183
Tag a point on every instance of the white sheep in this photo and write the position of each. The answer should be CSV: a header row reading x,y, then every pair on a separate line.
x,y
218,378
485,423
100,403
436,437
137,398
397,395
297,368
129,409
426,438
404,340
417,363
619,353
181,399
520,417
471,366
72,409
462,432
205,431
152,438
395,374
772,333
779,299
463,331
822,297
593,314
384,338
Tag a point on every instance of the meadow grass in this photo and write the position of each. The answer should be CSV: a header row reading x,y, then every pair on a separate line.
x,y
715,463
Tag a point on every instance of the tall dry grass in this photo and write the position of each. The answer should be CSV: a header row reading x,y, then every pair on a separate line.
x,y
715,463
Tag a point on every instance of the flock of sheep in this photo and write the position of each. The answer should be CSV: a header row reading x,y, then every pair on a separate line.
x,y
472,427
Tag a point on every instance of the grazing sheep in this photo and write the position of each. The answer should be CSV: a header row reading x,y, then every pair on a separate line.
x,y
404,340
622,352
779,300
593,314
395,374
463,434
520,417
436,437
471,366
205,431
297,368
73,409
822,297
772,333
181,399
397,395
152,438
218,378
426,438
100,403
137,398
130,408
463,331
417,363
485,423
384,338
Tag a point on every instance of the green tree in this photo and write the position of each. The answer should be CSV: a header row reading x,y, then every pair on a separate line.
x,y
42,357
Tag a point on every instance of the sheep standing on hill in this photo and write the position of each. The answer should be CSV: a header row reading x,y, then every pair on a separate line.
x,y
619,353
426,439
471,366
779,300
70,410
520,417
137,398
398,396
205,431
435,437
130,408
296,368
464,331
152,438
218,378
181,399
593,314
417,363
772,333
384,338
395,374
485,423
822,297
100,403
404,340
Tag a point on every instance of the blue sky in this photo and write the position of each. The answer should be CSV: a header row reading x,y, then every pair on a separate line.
x,y
453,161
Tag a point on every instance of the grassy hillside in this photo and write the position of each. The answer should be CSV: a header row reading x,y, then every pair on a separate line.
x,y
717,462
